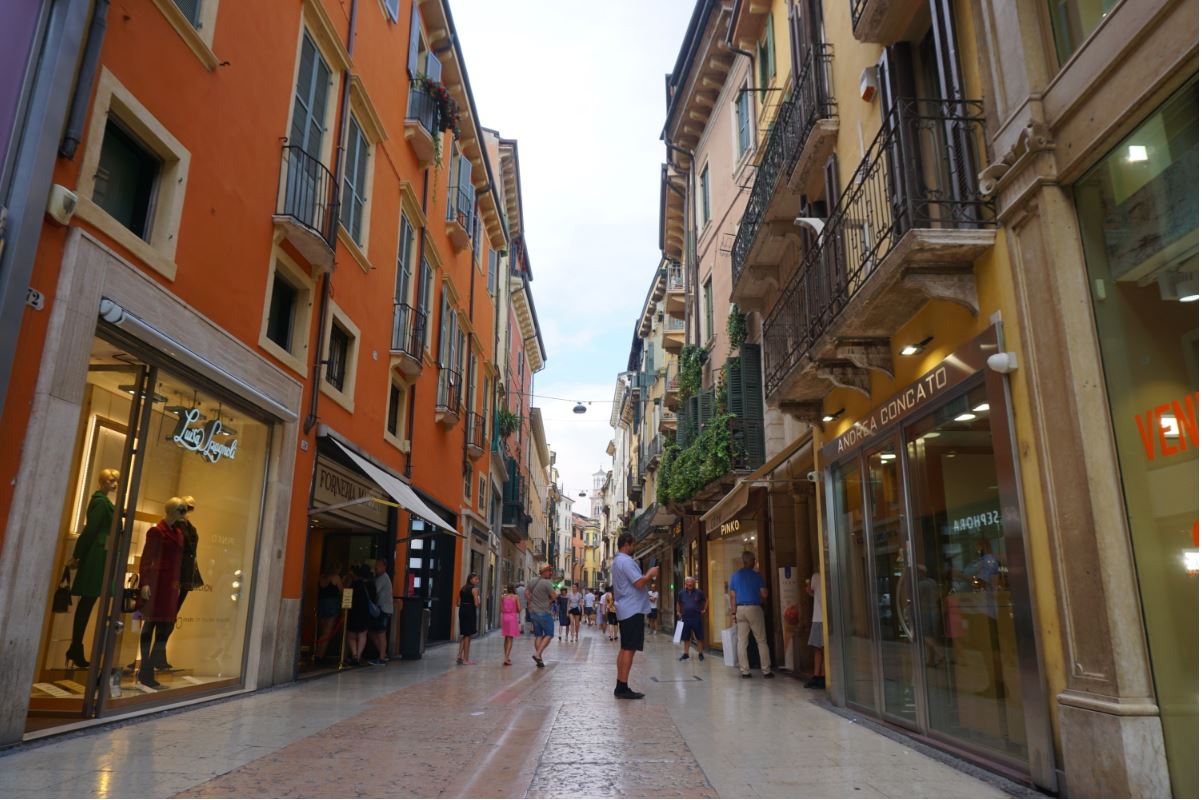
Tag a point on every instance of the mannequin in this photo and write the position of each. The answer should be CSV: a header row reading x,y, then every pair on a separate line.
x,y
189,574
91,550
159,573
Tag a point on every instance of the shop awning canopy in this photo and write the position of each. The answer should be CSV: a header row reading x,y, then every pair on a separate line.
x,y
396,488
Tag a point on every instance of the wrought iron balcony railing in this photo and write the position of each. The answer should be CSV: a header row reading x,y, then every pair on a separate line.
x,y
408,330
306,193
673,324
461,209
919,172
423,108
475,431
857,11
675,278
809,102
448,391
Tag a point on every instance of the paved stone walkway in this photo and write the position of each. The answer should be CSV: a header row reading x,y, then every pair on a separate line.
x,y
433,729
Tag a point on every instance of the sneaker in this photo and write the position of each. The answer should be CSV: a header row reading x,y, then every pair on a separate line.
x,y
683,657
628,694
744,674
376,662
769,674
700,656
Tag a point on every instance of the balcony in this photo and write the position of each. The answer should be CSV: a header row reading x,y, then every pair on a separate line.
x,y
634,487
447,405
906,231
475,434
673,334
883,21
674,297
802,138
515,522
461,218
304,206
421,123
408,339
667,422
654,451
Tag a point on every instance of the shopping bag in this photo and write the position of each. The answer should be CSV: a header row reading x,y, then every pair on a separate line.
x,y
730,638
679,631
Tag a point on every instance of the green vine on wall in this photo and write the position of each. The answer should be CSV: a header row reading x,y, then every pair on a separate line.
x,y
692,358
686,471
736,328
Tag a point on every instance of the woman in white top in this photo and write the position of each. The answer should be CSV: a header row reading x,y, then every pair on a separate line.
x,y
653,617
575,610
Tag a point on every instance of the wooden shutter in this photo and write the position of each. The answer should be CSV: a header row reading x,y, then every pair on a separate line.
x,y
467,192
734,386
705,409
309,101
404,262
771,49
415,39
433,67
751,416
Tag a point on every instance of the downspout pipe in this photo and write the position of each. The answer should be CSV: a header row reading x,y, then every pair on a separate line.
x,y
88,66
426,333
339,168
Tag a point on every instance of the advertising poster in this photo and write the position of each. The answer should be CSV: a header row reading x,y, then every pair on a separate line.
x,y
790,611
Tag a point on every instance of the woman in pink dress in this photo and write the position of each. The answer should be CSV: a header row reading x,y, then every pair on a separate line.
x,y
510,625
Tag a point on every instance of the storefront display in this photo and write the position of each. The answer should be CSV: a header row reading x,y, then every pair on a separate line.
x,y
158,539
724,553
1138,211
931,606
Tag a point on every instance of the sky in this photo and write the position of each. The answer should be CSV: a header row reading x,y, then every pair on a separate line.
x,y
580,85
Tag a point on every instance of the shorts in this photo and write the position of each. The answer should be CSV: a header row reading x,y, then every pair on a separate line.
x,y
654,613
380,623
691,629
630,631
575,612
612,618
815,635
544,624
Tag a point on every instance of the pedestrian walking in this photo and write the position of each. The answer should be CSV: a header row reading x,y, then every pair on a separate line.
x,y
540,594
590,602
469,602
574,603
523,618
814,589
329,611
511,625
611,614
630,599
747,595
690,610
565,624
358,619
653,614
378,628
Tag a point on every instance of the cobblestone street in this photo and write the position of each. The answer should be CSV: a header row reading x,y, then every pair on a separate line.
x,y
432,729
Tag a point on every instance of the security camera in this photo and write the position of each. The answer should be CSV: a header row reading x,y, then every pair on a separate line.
x,y
812,476
1003,362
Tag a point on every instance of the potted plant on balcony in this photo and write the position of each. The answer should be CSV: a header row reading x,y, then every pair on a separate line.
x,y
446,117
736,327
507,422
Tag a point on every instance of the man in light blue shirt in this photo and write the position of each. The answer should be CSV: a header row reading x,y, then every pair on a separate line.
x,y
747,594
630,597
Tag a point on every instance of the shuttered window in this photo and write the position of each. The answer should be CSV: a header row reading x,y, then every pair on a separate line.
x,y
743,120
393,7
190,10
354,183
745,400
404,262
309,100
415,40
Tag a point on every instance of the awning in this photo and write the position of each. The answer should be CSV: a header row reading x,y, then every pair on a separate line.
x,y
396,488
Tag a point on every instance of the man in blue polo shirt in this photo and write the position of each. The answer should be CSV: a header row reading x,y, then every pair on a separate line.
x,y
747,595
690,608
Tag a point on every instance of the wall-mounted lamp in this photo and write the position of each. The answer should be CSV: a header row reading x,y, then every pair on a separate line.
x,y
915,348
831,416
1003,362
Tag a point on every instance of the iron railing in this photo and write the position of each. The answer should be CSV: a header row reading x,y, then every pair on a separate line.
x,y
918,173
448,391
423,108
408,330
306,193
675,277
809,102
461,208
857,11
475,431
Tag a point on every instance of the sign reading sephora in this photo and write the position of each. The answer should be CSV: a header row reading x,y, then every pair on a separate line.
x,y
202,438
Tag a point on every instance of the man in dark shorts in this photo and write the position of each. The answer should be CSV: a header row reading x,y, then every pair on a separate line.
x,y
540,595
630,597
690,609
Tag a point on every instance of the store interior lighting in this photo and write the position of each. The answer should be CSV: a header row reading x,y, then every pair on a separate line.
x,y
982,408
967,416
832,416
915,348
1137,153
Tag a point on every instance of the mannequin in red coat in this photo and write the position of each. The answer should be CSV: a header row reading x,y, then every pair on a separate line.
x,y
159,573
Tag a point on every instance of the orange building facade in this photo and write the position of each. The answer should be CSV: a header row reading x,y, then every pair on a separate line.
x,y
275,267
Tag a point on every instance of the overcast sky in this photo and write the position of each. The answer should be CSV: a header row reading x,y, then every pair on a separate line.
x,y
580,85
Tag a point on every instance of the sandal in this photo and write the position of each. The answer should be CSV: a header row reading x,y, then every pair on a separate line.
x,y
459,661
507,663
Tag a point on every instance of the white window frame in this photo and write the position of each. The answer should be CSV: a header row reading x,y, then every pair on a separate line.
x,y
199,37
345,397
296,359
398,439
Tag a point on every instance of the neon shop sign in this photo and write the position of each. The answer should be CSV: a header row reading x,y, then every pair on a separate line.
x,y
201,439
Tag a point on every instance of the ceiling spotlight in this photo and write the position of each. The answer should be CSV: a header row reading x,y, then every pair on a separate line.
x,y
888,456
130,389
579,409
831,416
582,494
967,416
1137,153
916,348
982,408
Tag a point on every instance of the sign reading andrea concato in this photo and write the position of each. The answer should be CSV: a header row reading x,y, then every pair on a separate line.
x,y
927,391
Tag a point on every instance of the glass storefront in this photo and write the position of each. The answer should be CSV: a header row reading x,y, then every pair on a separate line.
x,y
725,557
1138,213
928,546
157,543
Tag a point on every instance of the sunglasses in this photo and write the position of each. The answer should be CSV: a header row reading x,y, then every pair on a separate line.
x,y
181,509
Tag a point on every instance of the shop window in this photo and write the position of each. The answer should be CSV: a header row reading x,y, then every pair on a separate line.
x,y
182,539
856,624
125,179
1138,213
1074,20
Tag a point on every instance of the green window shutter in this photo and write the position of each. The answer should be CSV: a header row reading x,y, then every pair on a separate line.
x,y
771,49
751,417
705,409
415,39
734,386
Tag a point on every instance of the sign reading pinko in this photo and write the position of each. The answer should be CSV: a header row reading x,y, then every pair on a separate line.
x,y
202,439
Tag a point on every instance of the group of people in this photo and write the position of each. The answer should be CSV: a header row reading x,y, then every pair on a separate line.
x,y
590,607
368,617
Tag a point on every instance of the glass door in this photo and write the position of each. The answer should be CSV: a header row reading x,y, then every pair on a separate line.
x,y
859,652
892,598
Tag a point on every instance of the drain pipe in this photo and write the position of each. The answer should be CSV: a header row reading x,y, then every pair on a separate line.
x,y
426,332
339,166
83,84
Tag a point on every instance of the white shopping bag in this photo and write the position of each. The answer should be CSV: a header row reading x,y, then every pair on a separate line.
x,y
730,638
679,631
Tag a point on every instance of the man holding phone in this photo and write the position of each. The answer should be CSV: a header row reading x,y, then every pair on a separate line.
x,y
630,597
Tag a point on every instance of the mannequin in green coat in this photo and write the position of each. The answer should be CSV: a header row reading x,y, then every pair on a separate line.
x,y
91,551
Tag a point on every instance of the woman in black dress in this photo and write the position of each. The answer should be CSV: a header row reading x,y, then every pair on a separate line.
x,y
358,619
469,602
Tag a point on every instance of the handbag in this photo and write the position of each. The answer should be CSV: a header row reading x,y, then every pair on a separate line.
x,y
62,595
131,597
